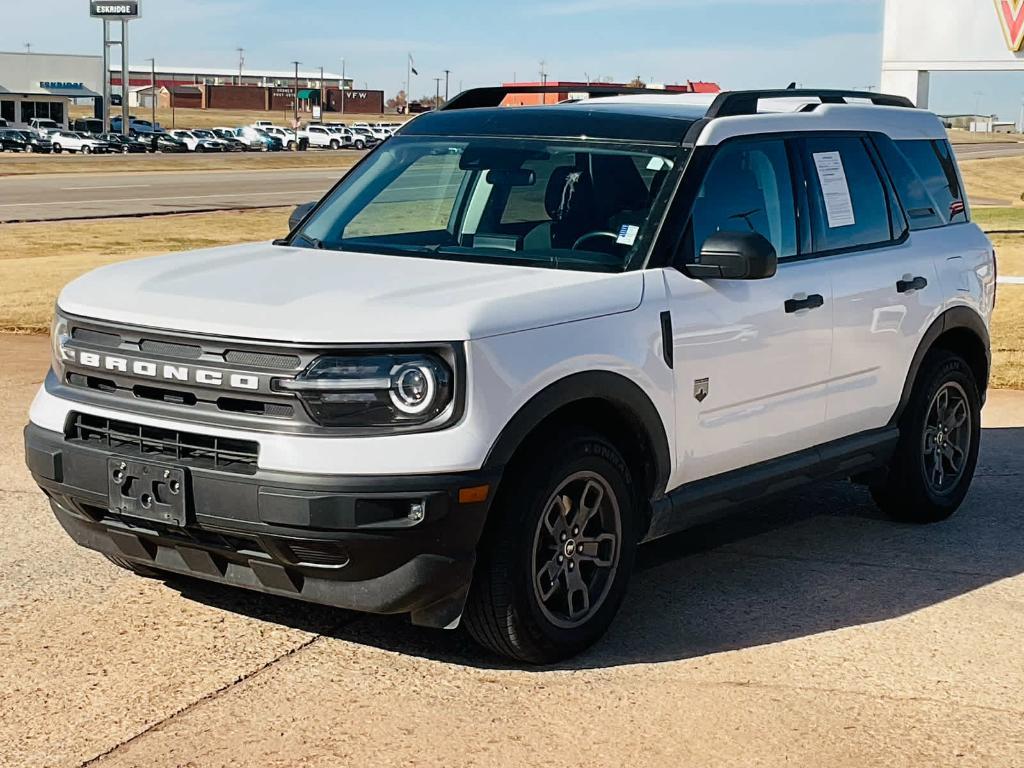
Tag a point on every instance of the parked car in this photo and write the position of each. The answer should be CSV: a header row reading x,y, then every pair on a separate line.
x,y
212,139
258,139
71,141
322,137
291,140
87,125
43,126
12,141
602,326
227,135
136,126
167,143
262,123
36,142
196,143
126,144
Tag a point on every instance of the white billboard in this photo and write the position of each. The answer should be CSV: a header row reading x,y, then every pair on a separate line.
x,y
923,36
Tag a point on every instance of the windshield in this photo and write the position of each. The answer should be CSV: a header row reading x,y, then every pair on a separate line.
x,y
563,204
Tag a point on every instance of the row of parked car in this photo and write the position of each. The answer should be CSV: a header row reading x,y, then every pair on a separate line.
x,y
86,136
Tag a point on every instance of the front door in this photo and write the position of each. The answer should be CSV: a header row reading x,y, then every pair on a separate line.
x,y
751,356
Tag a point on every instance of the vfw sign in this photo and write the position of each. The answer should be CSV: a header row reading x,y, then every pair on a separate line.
x,y
1011,16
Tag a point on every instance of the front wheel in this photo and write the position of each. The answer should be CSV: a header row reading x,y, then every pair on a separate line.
x,y
554,566
360,144
940,434
57,149
335,144
86,150
291,146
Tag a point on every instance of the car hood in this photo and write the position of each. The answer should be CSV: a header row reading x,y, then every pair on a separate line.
x,y
263,291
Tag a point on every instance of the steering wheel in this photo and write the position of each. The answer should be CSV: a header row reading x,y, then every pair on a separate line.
x,y
593,234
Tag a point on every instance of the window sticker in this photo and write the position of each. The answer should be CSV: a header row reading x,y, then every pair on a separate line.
x,y
835,189
656,163
627,234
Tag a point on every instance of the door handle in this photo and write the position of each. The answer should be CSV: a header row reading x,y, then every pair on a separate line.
x,y
915,284
814,301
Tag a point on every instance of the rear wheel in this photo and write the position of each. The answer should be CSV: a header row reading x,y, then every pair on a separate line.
x,y
360,144
57,148
291,146
555,564
940,435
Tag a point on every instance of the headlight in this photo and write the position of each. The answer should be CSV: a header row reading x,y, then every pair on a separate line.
x,y
376,390
59,336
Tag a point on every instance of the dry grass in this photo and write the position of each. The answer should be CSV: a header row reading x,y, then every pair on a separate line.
x,y
12,164
232,118
1000,178
35,262
958,136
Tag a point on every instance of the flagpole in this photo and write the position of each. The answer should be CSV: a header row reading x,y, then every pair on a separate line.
x,y
408,80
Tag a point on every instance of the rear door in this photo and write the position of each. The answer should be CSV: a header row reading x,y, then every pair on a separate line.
x,y
751,356
885,285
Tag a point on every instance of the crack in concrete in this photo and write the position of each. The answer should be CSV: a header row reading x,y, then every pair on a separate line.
x,y
862,564
212,695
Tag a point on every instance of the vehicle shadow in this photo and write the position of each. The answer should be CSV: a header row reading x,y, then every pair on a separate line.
x,y
812,561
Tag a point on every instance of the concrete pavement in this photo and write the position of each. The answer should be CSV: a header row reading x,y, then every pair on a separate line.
x,y
807,632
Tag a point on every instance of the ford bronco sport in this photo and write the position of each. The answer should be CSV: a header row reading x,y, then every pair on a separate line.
x,y
513,344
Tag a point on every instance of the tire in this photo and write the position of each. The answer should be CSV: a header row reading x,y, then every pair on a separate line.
x,y
57,149
128,565
359,144
291,146
86,150
335,144
533,548
29,149
934,462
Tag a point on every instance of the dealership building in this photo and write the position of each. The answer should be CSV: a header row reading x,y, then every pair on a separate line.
x,y
172,76
43,85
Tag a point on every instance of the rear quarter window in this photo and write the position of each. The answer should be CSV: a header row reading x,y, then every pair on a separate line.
x,y
935,165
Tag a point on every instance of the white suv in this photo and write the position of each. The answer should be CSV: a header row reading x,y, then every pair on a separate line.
x,y
513,344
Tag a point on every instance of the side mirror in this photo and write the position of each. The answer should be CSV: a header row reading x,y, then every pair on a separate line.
x,y
735,256
299,214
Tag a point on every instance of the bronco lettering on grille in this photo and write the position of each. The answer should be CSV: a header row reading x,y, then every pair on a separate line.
x,y
151,370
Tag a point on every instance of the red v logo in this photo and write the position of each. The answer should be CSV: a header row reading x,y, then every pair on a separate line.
x,y
1011,16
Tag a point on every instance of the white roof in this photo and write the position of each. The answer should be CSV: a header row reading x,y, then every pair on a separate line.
x,y
782,115
272,74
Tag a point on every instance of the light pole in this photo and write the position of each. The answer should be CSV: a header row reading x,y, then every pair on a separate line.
x,y
447,72
437,93
28,47
321,93
295,101
241,63
342,86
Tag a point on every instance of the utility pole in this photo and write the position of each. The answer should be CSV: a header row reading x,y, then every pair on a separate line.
x,y
28,47
321,93
295,101
152,99
342,87
437,93
447,72
241,63
126,124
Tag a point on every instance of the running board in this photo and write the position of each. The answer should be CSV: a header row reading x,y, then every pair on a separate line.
x,y
706,500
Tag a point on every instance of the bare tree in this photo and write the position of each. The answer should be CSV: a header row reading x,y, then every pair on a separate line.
x,y
398,101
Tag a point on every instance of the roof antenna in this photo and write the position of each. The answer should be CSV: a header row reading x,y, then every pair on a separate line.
x,y
791,86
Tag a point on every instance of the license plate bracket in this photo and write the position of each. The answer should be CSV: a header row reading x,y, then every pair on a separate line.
x,y
150,491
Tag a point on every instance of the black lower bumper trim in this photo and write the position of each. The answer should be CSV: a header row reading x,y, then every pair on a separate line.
x,y
334,540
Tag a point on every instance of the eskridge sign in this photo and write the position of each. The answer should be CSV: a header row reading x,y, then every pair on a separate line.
x,y
1011,16
110,9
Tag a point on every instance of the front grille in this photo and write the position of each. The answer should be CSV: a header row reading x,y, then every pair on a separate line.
x,y
170,349
228,454
263,360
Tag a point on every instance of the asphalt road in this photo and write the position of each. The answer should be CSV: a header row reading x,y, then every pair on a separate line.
x,y
58,196
51,197
807,632
985,151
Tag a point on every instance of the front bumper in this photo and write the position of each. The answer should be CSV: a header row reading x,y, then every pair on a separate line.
x,y
334,540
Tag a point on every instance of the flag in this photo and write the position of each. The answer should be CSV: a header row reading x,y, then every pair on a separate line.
x,y
412,65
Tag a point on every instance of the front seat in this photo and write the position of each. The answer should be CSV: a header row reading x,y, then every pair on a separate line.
x,y
570,203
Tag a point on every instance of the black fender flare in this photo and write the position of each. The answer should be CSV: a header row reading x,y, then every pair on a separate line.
x,y
614,388
957,317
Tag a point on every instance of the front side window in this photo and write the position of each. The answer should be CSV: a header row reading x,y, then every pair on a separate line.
x,y
7,110
533,202
849,204
748,188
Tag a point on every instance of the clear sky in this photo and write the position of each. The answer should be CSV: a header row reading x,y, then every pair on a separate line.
x,y
737,43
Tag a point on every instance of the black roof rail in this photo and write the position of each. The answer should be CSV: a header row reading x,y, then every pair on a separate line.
x,y
732,103
493,96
